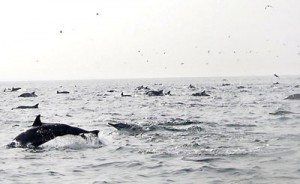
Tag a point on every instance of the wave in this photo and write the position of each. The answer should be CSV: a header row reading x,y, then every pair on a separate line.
x,y
73,143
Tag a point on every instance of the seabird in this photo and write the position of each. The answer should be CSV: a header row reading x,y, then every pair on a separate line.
x,y
268,6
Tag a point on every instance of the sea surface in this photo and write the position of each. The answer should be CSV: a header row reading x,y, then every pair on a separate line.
x,y
244,132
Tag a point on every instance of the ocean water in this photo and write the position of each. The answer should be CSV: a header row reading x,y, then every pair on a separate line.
x,y
228,137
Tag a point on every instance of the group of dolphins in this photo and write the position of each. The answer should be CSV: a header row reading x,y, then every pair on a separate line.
x,y
41,133
150,92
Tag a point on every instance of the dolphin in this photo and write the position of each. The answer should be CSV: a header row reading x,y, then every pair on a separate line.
x,y
41,133
281,112
12,89
293,97
28,95
27,107
155,93
142,87
203,93
62,92
192,87
15,89
168,93
131,128
134,129
122,95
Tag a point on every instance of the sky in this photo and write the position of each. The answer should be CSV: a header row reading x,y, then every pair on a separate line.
x,y
100,39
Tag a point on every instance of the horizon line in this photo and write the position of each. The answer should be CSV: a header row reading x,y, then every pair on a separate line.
x,y
137,78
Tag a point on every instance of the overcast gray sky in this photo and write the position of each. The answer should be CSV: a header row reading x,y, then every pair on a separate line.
x,y
148,38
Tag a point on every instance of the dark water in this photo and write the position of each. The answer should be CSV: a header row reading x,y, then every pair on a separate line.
x,y
228,137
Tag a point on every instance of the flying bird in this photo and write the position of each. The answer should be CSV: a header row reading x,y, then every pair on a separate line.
x,y
268,6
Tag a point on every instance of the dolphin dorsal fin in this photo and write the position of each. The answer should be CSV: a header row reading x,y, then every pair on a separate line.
x,y
37,121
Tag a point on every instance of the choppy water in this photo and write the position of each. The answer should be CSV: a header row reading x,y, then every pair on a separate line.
x,y
228,137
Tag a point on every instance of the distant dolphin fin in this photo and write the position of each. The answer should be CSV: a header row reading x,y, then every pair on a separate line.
x,y
37,121
36,105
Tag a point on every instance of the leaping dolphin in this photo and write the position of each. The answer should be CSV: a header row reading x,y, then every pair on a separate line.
x,y
41,133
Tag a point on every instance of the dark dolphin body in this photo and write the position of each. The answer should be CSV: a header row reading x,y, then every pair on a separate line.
x,y
28,107
281,112
44,132
168,93
293,97
203,93
28,95
155,93
142,87
122,126
62,92
134,129
11,90
122,95
131,128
